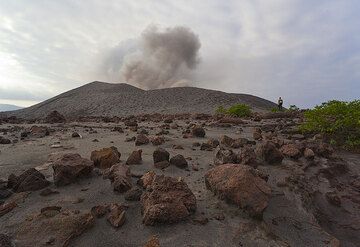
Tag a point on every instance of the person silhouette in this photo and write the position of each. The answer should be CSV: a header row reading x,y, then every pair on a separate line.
x,y
280,104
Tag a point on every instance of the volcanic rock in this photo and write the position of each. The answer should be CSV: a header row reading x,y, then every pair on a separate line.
x,y
179,161
268,152
240,185
224,156
30,180
141,139
71,167
309,154
167,200
133,194
60,229
7,207
198,131
147,179
160,155
120,177
106,157
39,131
116,216
135,158
4,140
54,117
291,151
157,140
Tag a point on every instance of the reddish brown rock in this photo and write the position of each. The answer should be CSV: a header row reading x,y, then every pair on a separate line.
x,y
106,157
135,158
179,161
59,229
120,177
167,200
247,156
160,157
153,242
224,156
141,139
30,180
116,216
146,179
226,140
240,185
268,152
157,140
291,151
71,167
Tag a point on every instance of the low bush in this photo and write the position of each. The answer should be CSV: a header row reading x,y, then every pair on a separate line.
x,y
339,121
237,110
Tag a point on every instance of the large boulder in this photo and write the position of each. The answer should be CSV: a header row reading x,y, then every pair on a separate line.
x,y
268,152
106,157
70,167
239,184
30,180
53,227
135,158
54,117
167,200
247,156
120,177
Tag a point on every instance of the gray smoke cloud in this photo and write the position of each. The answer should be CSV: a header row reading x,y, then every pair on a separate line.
x,y
164,58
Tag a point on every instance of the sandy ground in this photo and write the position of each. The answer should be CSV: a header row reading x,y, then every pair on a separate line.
x,y
298,228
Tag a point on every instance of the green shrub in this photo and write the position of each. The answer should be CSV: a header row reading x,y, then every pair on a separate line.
x,y
338,120
237,110
293,108
275,109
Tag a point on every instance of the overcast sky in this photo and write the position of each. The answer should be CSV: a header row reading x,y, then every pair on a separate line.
x,y
305,51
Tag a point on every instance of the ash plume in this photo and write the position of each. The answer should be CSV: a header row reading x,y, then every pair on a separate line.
x,y
164,58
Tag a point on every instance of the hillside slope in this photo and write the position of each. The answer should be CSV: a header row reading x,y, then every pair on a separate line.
x,y
106,99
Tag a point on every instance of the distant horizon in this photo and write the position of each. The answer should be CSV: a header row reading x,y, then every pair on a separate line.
x,y
25,103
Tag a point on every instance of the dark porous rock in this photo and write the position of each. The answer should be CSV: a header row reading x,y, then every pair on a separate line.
x,y
70,167
198,131
239,184
39,131
167,200
4,140
162,164
157,140
146,179
54,117
247,156
291,150
224,156
57,228
160,155
116,216
7,207
179,161
269,153
133,194
30,180
226,140
131,123
120,177
135,158
309,154
213,142
75,135
118,129
130,139
206,147
141,139
106,157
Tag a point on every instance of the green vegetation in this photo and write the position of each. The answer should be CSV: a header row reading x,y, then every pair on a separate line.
x,y
237,110
337,120
292,108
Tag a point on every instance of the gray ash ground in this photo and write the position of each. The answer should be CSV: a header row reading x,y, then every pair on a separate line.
x,y
312,203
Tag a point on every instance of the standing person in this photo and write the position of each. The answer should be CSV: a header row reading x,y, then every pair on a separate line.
x,y
280,104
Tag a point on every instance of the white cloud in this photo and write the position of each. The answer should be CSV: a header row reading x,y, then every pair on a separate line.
x,y
306,51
